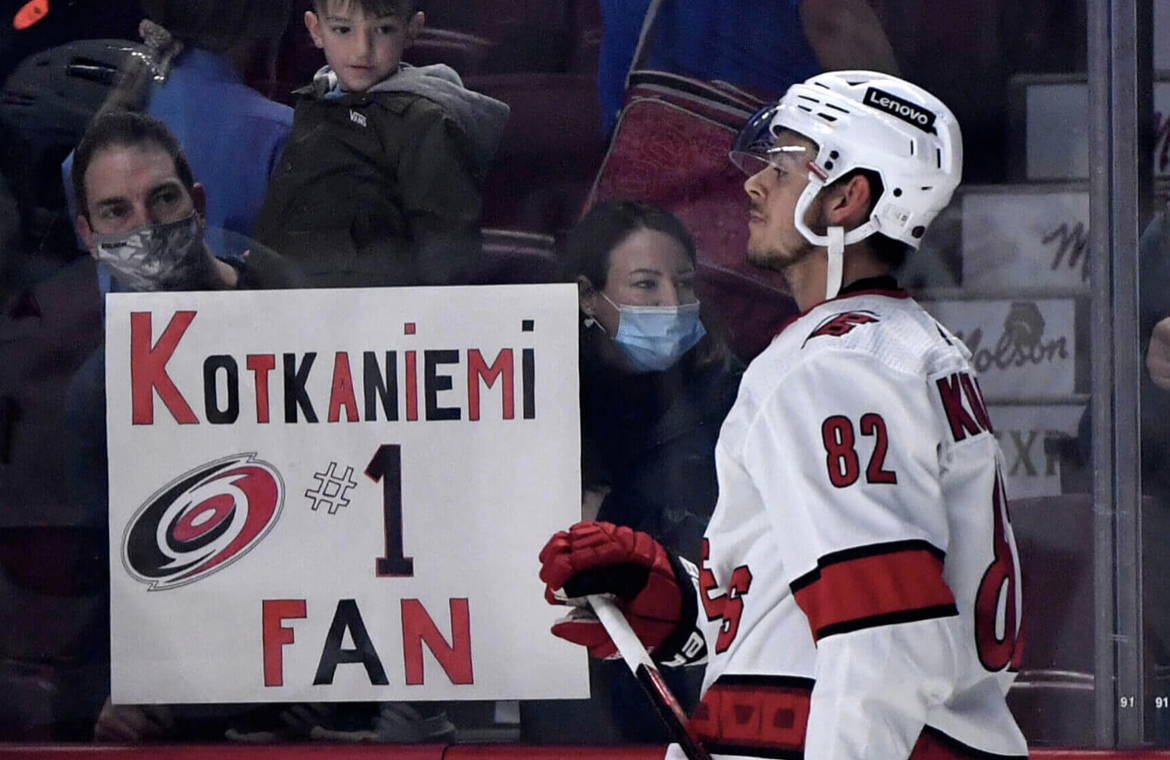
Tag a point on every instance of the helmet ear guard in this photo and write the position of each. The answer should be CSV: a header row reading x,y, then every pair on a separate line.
x,y
864,120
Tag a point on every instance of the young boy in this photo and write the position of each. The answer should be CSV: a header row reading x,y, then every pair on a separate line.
x,y
380,181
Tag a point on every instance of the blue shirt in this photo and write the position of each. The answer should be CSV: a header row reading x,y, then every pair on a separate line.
x,y
759,45
232,136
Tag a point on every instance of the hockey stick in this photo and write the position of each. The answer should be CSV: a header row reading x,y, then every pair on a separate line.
x,y
646,673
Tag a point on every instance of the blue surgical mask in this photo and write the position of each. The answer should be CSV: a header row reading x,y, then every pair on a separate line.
x,y
654,338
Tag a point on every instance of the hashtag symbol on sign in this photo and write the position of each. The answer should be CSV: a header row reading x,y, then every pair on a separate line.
x,y
331,488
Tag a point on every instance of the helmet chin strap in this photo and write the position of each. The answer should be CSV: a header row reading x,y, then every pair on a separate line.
x,y
836,266
835,238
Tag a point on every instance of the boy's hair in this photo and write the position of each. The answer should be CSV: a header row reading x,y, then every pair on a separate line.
x,y
377,8
129,130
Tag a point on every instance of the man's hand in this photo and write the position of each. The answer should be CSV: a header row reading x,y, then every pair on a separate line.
x,y
1158,355
132,723
602,558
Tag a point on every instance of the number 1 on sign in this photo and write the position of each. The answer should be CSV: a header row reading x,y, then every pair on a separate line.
x,y
386,466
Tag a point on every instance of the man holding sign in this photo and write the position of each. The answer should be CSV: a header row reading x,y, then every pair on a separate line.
x,y
142,213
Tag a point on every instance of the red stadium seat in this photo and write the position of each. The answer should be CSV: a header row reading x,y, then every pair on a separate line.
x,y
550,151
513,257
461,51
529,35
586,26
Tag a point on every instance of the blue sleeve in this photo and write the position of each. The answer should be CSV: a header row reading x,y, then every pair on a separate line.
x,y
621,26
70,201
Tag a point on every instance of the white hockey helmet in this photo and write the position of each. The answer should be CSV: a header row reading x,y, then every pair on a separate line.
x,y
865,120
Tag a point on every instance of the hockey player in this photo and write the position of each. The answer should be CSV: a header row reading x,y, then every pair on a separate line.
x,y
858,594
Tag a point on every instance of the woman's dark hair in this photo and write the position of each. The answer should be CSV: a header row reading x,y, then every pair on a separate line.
x,y
586,248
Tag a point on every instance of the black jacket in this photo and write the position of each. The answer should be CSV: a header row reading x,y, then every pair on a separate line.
x,y
651,439
383,187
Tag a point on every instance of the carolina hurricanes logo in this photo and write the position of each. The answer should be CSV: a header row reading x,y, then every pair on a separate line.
x,y
840,324
202,521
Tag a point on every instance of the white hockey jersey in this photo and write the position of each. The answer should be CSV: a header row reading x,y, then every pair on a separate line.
x,y
859,590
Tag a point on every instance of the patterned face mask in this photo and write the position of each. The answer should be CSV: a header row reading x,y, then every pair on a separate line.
x,y
158,256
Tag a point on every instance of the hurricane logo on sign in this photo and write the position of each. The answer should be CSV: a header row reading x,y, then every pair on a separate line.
x,y
202,521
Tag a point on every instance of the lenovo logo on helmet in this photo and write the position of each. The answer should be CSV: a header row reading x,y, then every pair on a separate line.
x,y
895,106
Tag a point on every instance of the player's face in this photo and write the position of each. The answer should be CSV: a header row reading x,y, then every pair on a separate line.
x,y
773,240
361,49
132,186
648,268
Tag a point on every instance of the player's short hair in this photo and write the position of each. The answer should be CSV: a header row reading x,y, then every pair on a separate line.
x,y
125,129
221,25
377,8
585,250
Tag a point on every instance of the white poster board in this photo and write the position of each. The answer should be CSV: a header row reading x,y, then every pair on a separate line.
x,y
1036,237
1021,431
340,495
1020,348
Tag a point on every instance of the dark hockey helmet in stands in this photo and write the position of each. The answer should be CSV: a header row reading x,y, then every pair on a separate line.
x,y
45,106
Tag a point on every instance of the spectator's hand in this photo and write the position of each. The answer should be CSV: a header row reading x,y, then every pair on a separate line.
x,y
132,723
1158,355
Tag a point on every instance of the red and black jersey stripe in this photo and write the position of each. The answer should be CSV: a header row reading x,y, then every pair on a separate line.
x,y
875,585
767,716
754,715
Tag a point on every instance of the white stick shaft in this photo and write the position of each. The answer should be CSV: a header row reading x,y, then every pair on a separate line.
x,y
618,628
646,673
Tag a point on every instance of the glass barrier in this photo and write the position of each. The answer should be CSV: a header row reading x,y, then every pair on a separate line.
x,y
404,454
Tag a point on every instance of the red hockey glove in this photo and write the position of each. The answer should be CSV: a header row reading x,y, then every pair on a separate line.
x,y
602,558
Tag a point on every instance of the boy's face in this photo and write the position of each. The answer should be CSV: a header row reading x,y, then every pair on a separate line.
x,y
361,49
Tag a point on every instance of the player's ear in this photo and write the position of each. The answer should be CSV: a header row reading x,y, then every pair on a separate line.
x,y
313,24
848,203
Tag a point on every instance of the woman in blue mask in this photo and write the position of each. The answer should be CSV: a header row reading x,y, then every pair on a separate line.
x,y
656,382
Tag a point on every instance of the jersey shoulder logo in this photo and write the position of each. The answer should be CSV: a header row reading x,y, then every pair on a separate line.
x,y
842,324
202,521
